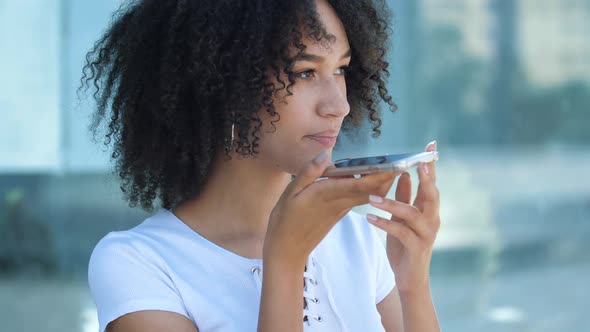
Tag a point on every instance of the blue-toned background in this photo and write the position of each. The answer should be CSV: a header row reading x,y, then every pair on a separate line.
x,y
504,86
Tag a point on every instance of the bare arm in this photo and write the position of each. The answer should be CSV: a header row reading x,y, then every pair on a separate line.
x,y
408,312
390,309
152,321
418,311
281,304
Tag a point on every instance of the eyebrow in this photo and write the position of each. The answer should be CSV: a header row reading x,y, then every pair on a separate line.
x,y
318,58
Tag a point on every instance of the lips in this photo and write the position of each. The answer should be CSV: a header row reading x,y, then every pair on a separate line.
x,y
326,133
326,138
326,141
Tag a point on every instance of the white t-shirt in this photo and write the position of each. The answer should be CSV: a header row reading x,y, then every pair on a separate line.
x,y
162,264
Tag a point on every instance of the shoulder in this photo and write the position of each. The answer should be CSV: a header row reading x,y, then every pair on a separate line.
x,y
119,260
117,252
128,273
133,257
142,243
135,244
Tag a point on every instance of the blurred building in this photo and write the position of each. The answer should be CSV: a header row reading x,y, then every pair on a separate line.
x,y
553,40
472,19
470,65
43,126
551,36
493,71
30,86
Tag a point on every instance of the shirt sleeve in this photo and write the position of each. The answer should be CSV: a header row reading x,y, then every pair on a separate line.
x,y
125,277
384,273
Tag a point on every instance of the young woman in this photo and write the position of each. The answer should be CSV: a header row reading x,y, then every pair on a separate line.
x,y
213,106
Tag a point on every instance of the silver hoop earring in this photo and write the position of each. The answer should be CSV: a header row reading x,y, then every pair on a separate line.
x,y
229,142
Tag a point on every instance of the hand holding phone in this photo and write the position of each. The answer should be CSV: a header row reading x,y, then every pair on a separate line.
x,y
397,163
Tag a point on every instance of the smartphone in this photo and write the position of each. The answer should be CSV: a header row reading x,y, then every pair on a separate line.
x,y
397,163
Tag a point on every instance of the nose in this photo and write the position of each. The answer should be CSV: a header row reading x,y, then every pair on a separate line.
x,y
332,100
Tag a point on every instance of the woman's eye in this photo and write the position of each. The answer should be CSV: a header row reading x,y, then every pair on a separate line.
x,y
305,74
343,70
310,72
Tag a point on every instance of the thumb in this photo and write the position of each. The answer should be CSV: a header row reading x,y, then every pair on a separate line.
x,y
309,173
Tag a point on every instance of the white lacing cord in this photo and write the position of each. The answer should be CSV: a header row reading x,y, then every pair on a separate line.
x,y
310,300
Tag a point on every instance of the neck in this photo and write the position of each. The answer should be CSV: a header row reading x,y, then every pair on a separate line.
x,y
237,199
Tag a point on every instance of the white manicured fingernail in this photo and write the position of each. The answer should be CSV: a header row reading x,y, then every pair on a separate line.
x,y
375,199
371,217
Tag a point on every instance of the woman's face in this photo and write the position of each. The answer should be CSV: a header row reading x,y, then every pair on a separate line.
x,y
311,118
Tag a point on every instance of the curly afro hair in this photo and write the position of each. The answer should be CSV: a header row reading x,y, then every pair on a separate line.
x,y
171,77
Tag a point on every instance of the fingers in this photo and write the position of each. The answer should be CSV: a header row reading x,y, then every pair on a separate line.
x,y
344,194
400,210
310,172
427,197
403,213
352,191
401,231
403,192
421,217
432,146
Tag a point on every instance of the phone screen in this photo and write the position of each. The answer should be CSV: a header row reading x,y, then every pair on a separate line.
x,y
371,160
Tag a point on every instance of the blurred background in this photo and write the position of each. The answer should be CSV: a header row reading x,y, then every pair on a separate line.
x,y
503,86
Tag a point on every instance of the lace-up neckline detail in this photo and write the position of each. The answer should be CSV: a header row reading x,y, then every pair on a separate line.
x,y
310,283
310,300
318,303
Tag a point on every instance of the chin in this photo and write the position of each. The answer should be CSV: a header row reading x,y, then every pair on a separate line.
x,y
301,162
